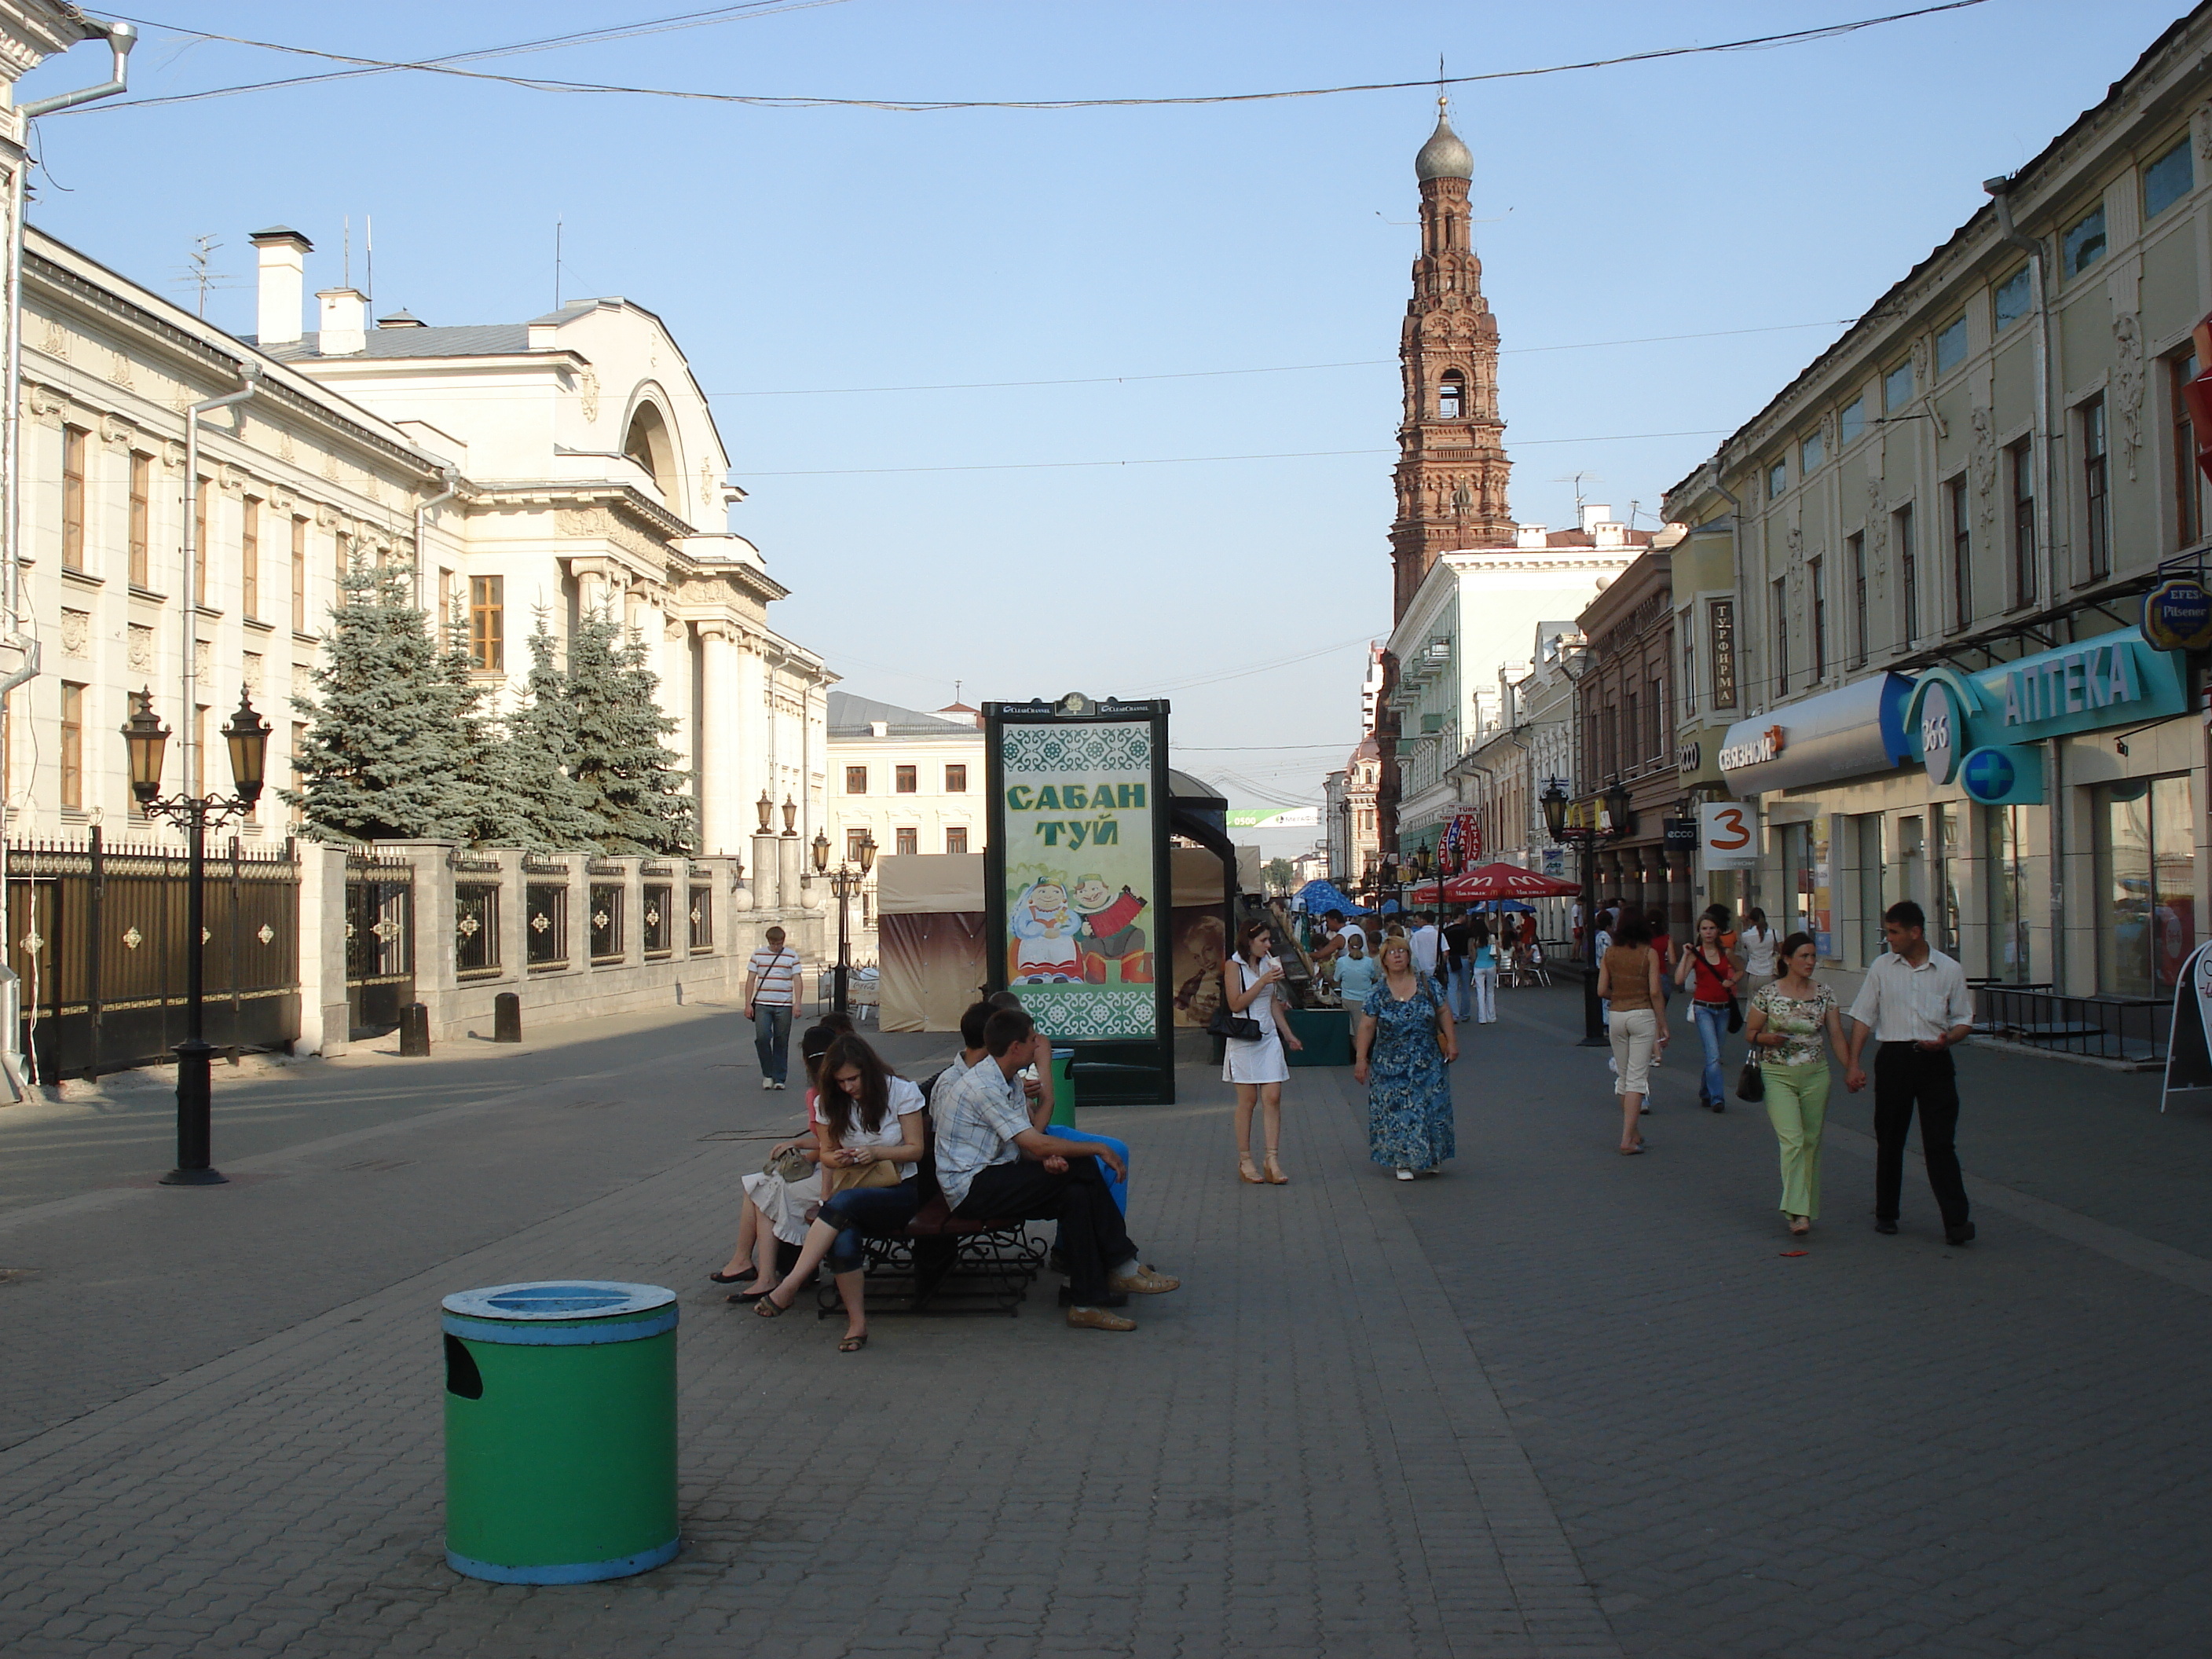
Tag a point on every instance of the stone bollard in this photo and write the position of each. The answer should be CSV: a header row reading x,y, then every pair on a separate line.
x,y
414,1029
506,1017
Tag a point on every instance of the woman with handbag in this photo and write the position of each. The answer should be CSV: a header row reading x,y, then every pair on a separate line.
x,y
1709,973
1406,1038
784,1196
1785,1027
871,1133
1482,970
1254,1031
1628,981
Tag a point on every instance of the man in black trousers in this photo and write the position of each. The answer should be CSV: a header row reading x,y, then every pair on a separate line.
x,y
1915,1004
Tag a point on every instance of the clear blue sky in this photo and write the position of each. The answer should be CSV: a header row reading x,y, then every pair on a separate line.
x,y
795,250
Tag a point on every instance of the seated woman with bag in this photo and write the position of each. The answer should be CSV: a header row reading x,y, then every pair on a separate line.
x,y
782,1198
871,1132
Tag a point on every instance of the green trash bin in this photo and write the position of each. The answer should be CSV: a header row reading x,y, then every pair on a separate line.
x,y
1063,1088
560,1432
1327,1033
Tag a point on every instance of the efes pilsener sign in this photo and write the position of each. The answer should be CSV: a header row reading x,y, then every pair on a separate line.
x,y
2177,615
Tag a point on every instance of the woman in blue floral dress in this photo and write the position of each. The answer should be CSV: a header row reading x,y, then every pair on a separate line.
x,y
1406,1038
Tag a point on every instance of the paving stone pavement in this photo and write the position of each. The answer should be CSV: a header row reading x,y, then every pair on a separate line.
x,y
1553,1403
1885,1446
226,1438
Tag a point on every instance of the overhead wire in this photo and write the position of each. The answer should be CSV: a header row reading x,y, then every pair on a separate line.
x,y
1183,460
1277,368
930,106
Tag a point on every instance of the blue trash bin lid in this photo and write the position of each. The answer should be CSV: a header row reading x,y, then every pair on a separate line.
x,y
559,1298
1063,1054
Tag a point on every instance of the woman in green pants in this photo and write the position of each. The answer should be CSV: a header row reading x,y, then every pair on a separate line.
x,y
1784,1026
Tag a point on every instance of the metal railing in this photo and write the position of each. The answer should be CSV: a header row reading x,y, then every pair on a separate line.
x,y
2132,1029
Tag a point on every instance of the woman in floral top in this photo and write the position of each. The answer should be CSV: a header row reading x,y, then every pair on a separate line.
x,y
1784,1026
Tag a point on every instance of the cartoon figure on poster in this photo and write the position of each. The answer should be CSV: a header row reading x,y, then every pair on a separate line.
x,y
1113,944
1044,929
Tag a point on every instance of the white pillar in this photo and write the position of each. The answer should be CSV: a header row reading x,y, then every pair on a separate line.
x,y
724,817
753,744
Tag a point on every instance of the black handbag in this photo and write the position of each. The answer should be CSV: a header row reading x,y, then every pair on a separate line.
x,y
1736,1013
1226,1024
1752,1085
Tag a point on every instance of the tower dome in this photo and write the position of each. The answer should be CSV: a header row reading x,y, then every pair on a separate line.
x,y
1443,156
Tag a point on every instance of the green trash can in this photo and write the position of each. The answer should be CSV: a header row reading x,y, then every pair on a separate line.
x,y
560,1432
1063,1088
1327,1033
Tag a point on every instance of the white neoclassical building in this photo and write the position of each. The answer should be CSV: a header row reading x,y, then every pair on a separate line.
x,y
588,472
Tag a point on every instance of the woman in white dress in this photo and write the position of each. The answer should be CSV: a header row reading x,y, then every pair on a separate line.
x,y
1259,1067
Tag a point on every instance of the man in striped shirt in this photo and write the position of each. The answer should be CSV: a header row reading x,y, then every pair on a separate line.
x,y
771,993
1915,1004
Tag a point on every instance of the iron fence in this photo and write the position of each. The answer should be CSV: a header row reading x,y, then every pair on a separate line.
x,y
606,924
546,925
380,942
2134,1029
96,935
657,934
475,929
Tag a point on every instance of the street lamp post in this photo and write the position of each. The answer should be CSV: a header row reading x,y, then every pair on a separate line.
x,y
844,883
1614,823
247,738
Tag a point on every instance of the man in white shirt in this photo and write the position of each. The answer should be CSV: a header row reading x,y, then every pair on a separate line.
x,y
1424,939
996,1160
1915,1004
771,993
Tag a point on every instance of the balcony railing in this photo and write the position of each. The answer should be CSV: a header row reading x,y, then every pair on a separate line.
x,y
2132,1029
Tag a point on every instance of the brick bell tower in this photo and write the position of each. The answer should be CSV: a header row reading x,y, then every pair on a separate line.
x,y
1452,468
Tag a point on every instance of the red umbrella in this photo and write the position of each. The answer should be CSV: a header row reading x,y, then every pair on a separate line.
x,y
1495,881
1424,894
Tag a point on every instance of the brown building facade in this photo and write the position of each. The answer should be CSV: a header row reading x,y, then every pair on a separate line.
x,y
1625,729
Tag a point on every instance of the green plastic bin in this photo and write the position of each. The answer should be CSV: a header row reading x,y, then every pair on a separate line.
x,y
1327,1033
560,1432
1063,1088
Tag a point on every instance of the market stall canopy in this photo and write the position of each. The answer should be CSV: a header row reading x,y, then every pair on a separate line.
x,y
1494,881
1318,898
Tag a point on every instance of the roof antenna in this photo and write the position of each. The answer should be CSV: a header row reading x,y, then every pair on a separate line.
x,y
347,280
369,249
557,264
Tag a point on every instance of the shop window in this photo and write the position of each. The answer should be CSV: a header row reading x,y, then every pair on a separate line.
x,y
1943,884
2004,864
2146,885
1867,861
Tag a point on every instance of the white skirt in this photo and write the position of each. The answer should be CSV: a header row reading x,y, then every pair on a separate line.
x,y
784,1204
1263,1061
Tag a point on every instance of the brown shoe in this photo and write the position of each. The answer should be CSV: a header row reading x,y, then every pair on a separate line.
x,y
1143,1282
1099,1319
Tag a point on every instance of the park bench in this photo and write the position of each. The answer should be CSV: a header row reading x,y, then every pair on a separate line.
x,y
942,1263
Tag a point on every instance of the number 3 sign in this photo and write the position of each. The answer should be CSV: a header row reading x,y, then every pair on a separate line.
x,y
1726,837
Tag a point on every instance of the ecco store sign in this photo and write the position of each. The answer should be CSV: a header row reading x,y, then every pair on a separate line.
x,y
1974,728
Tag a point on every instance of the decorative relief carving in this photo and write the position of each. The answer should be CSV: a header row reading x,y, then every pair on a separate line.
x,y
123,372
114,430
202,660
330,466
2200,127
1794,543
1920,360
587,390
1982,463
286,450
57,339
1829,447
327,516
2127,384
139,650
583,521
173,452
250,672
1877,524
706,483
40,401
76,632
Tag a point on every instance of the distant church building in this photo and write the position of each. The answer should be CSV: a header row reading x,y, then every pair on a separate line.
x,y
1469,586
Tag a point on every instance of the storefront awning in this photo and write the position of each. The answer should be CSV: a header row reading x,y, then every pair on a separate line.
x,y
1844,734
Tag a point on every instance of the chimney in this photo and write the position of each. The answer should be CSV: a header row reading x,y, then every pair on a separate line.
x,y
345,323
283,254
1594,514
1530,535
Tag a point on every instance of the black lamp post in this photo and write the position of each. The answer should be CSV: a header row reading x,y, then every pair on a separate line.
x,y
1613,821
247,738
844,882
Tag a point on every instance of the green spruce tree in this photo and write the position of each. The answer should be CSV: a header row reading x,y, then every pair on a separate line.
x,y
487,766
628,780
385,752
541,747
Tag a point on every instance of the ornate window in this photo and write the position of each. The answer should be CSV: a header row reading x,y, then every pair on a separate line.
x,y
1451,397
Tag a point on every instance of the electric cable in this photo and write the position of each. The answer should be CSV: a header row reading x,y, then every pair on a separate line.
x,y
931,106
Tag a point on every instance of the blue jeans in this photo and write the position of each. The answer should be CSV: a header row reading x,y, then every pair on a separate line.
x,y
862,1213
1456,992
772,1039
1713,1027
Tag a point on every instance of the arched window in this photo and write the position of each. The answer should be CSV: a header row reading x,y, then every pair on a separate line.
x,y
648,444
1451,396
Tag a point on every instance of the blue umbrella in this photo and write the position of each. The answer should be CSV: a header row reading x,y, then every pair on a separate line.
x,y
1319,898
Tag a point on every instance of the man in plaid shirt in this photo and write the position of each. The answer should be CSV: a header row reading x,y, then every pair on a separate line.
x,y
997,1161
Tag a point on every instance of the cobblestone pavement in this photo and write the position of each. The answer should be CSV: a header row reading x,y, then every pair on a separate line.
x,y
1884,1446
1554,1402
226,1438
